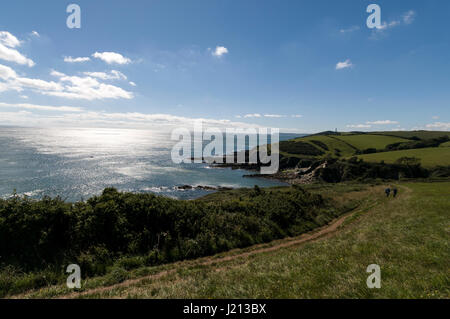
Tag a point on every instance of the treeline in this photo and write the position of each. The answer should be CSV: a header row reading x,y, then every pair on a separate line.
x,y
145,229
356,169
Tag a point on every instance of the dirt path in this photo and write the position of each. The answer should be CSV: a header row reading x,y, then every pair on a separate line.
x,y
321,232
313,235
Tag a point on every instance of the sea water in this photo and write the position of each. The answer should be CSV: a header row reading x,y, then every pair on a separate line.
x,y
78,163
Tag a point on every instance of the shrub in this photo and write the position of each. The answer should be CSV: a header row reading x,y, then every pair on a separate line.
x,y
116,276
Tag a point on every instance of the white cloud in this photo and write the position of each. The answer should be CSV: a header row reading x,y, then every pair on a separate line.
x,y
16,118
16,83
343,65
104,119
297,116
39,85
42,107
435,117
35,33
111,57
132,83
273,115
6,72
350,29
113,75
439,125
87,88
252,115
409,17
220,51
8,39
387,25
69,59
8,43
406,19
385,122
359,126
71,87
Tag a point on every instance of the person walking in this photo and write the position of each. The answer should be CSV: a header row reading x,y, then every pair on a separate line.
x,y
387,191
395,191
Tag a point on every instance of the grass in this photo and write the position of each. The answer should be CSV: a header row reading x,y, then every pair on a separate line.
x,y
424,135
331,143
430,157
446,144
407,236
366,141
346,144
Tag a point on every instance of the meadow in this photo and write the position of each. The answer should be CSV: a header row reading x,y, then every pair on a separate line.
x,y
407,236
429,157
366,141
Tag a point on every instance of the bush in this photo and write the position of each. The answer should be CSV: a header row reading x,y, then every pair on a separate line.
x,y
129,263
123,231
116,276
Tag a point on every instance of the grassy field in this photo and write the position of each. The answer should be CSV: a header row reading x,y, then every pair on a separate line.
x,y
333,144
420,134
407,236
346,144
447,144
430,157
365,141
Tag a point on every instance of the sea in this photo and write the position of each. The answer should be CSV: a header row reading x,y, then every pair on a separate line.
x,y
78,163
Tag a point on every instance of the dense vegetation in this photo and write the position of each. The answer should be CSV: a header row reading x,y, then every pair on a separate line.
x,y
434,142
354,169
142,229
407,236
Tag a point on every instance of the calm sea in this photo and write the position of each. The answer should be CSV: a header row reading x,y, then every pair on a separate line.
x,y
79,163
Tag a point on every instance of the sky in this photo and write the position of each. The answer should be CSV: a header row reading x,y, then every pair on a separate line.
x,y
301,66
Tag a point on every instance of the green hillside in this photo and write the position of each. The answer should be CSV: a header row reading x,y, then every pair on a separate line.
x,y
430,157
334,145
406,236
365,141
420,134
376,146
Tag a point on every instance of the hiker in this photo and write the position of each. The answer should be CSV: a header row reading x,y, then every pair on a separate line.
x,y
395,192
388,192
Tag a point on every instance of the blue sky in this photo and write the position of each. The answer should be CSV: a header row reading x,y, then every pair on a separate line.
x,y
303,66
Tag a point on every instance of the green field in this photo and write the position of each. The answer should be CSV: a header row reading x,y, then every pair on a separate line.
x,y
406,236
365,141
346,145
332,144
424,135
430,157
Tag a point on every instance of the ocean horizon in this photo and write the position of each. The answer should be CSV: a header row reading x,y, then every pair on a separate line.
x,y
78,163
